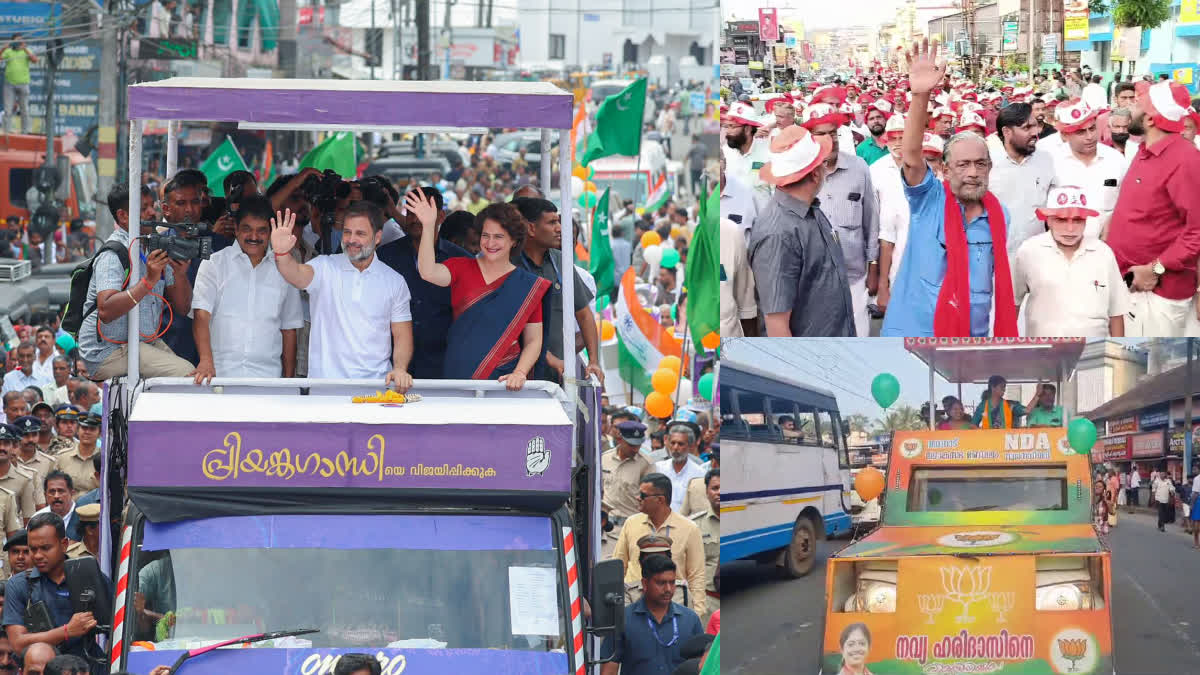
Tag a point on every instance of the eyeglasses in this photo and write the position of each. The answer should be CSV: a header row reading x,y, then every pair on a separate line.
x,y
644,496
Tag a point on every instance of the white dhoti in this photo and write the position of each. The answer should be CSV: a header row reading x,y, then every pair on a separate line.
x,y
1152,315
859,299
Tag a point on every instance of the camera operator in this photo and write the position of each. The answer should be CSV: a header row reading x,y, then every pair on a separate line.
x,y
108,301
59,602
431,309
239,186
246,314
329,197
353,295
184,199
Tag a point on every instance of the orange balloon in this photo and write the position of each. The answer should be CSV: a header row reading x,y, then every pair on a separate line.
x,y
607,330
659,405
672,363
651,239
664,381
711,341
676,232
589,186
869,483
580,171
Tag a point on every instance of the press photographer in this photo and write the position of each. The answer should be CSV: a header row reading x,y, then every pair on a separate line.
x,y
60,602
103,328
329,196
239,186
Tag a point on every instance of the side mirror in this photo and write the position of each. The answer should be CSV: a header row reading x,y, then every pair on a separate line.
x,y
608,602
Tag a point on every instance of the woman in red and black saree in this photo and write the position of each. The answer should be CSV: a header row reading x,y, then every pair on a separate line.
x,y
497,327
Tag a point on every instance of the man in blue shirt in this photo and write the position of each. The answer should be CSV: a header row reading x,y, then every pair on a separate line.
x,y
655,627
924,265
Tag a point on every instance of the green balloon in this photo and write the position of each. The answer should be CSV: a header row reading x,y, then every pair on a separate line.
x,y
886,389
1081,434
670,258
706,386
588,200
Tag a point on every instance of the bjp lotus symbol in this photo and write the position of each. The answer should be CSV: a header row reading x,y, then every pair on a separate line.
x,y
966,585
931,604
1002,603
1072,649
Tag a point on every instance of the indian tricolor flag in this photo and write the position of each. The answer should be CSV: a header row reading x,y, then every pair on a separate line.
x,y
659,194
642,341
578,128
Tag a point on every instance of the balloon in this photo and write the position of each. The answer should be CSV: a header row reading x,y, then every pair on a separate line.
x,y
580,172
652,254
651,239
886,389
607,330
589,186
1081,433
588,200
706,386
671,362
576,185
659,405
869,483
670,258
711,341
664,380
676,232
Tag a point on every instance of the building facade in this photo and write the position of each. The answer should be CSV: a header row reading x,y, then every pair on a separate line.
x,y
1172,48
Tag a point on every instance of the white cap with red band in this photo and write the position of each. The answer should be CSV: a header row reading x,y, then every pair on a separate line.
x,y
743,113
1067,201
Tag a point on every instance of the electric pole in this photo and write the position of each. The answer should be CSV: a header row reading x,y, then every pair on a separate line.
x,y
969,15
1032,13
106,131
422,19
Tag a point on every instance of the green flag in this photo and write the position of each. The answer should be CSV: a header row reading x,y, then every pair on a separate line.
x,y
335,152
712,662
701,278
600,259
224,161
618,124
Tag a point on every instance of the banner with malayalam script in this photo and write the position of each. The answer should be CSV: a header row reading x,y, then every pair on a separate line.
x,y
278,455
259,661
1075,20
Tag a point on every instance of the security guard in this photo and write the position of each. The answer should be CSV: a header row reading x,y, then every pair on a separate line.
x,y
89,530
17,479
28,455
623,468
45,413
709,522
76,459
66,422
19,556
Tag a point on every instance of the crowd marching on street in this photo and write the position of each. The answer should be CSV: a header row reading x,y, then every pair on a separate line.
x,y
948,208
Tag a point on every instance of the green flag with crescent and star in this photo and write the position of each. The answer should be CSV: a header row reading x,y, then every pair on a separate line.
x,y
618,124
225,160
600,257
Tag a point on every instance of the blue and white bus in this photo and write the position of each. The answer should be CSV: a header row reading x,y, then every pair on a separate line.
x,y
786,469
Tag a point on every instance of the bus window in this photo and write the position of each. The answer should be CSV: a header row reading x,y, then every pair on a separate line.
x,y
747,419
829,433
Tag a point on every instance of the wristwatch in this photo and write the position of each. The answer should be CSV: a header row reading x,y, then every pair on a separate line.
x,y
1159,269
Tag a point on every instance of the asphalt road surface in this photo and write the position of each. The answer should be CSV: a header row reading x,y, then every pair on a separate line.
x,y
773,626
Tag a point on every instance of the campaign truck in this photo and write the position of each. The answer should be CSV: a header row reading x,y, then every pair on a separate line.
x,y
440,532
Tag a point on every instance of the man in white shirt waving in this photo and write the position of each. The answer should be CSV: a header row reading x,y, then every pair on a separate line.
x,y
246,314
359,306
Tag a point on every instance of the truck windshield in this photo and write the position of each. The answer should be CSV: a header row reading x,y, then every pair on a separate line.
x,y
989,489
368,598
86,187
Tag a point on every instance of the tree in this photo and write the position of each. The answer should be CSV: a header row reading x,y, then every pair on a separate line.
x,y
901,418
1148,14
857,422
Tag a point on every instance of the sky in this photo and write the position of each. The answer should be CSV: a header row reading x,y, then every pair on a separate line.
x,y
846,367
814,14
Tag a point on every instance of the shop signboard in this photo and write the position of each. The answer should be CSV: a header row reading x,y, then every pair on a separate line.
x,y
1009,42
1175,441
1114,449
1075,20
1189,12
1121,425
1147,445
768,24
1151,418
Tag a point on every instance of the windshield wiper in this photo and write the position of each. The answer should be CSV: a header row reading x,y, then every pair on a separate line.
x,y
981,508
247,639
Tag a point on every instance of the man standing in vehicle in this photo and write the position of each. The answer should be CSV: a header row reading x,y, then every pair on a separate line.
x,y
1045,413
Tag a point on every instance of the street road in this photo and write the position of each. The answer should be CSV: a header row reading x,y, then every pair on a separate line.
x,y
774,626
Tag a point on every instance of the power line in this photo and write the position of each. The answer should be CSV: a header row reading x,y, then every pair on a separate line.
x,y
755,343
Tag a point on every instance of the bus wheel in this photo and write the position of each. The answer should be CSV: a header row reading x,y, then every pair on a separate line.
x,y
801,553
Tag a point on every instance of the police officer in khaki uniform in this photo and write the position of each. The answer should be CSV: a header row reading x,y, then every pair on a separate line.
x,y
45,413
709,522
28,454
651,543
19,557
89,532
696,500
66,423
623,468
77,462
20,481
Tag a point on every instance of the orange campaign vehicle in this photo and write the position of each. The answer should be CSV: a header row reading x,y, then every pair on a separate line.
x,y
986,559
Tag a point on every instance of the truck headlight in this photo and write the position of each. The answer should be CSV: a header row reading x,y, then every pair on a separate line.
x,y
1067,584
1064,597
875,592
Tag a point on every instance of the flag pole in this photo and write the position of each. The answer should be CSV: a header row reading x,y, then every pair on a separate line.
x,y
682,361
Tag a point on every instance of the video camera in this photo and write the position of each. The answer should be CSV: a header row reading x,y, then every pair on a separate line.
x,y
192,241
375,189
324,192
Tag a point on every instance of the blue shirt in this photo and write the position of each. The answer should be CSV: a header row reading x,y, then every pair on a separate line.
x,y
56,596
923,267
430,304
642,651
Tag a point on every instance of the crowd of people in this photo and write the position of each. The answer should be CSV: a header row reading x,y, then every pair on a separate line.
x,y
949,208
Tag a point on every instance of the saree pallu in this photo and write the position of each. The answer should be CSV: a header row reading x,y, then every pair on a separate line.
x,y
477,344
